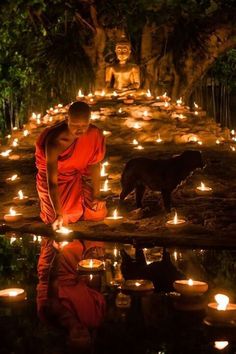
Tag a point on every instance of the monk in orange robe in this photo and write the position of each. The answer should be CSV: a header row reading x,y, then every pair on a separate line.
x,y
68,183
68,180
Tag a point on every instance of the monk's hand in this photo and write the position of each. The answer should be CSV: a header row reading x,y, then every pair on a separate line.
x,y
57,224
98,204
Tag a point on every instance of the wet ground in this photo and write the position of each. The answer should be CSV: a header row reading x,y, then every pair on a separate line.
x,y
155,322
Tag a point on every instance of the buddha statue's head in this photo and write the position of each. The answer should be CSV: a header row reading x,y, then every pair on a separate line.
x,y
123,50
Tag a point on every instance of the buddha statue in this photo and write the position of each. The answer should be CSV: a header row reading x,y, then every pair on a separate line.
x,y
126,76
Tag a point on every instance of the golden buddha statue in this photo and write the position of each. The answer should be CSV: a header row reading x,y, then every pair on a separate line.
x,y
126,76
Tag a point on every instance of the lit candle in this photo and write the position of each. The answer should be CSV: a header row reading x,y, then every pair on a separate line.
x,y
103,172
181,116
203,190
12,295
95,116
15,142
25,132
6,153
149,95
63,230
137,285
13,179
60,105
221,310
105,190
220,345
167,104
114,94
113,220
139,147
135,142
179,102
190,287
137,126
13,216
232,148
8,136
106,133
158,140
80,94
115,252
21,199
90,265
175,222
103,93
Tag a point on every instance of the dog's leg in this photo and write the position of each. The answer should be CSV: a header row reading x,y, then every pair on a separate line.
x,y
166,195
139,190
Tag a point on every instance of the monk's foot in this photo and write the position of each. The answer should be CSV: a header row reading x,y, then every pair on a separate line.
x,y
80,338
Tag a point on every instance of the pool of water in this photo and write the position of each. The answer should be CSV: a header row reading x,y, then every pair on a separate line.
x,y
154,323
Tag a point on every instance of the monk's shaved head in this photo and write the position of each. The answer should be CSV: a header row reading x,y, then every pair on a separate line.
x,y
79,110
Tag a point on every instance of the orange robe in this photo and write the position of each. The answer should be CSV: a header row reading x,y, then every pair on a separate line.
x,y
75,193
69,299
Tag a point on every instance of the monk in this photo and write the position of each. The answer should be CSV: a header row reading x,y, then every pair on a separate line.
x,y
68,159
68,183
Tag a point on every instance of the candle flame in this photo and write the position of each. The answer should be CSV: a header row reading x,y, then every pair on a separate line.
x,y
139,147
175,219
195,105
114,93
115,252
159,140
103,169
80,93
90,263
166,104
220,345
232,148
115,214
90,94
12,293
232,132
145,113
12,211
106,132
15,142
64,230
120,110
190,282
34,115
105,186
90,276
179,101
103,93
148,93
6,153
13,178
25,132
203,187
196,113
137,283
20,194
136,126
217,141
222,302
135,142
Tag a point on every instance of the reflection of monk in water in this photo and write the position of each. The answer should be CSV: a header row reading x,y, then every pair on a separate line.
x,y
64,299
68,179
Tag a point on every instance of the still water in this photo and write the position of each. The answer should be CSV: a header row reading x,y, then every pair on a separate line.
x,y
145,323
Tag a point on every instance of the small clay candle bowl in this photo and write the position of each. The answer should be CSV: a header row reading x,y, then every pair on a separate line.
x,y
129,100
13,216
114,220
90,265
21,199
137,285
190,287
13,179
221,311
176,223
204,190
12,295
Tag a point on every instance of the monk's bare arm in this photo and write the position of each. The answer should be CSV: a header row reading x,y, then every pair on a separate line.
x,y
94,171
52,151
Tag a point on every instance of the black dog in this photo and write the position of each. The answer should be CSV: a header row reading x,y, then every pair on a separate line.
x,y
158,175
